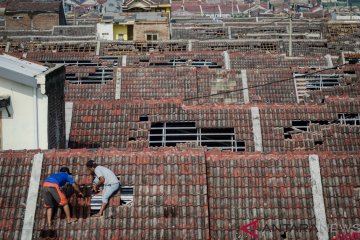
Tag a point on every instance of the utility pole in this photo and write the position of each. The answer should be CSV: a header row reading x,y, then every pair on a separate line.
x,y
290,35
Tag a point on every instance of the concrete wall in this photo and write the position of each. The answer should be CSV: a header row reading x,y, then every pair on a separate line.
x,y
106,28
162,29
19,130
43,21
120,29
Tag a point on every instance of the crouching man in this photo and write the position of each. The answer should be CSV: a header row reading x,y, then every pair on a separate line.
x,y
103,176
53,195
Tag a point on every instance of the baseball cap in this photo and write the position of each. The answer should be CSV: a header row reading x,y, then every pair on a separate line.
x,y
65,169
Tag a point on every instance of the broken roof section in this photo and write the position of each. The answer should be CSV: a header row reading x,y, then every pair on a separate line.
x,y
188,193
330,126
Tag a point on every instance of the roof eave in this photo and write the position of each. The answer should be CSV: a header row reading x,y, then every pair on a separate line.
x,y
18,77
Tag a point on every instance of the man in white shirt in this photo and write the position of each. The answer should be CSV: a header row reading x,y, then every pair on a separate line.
x,y
103,176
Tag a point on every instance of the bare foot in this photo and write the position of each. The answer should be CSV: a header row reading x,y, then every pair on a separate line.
x,y
71,220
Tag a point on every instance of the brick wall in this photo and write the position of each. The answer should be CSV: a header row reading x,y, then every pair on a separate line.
x,y
56,108
18,24
140,30
44,21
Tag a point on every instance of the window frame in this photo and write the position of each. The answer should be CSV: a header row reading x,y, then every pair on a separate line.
x,y
152,36
159,136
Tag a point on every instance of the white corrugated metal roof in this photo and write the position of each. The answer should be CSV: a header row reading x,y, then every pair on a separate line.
x,y
21,66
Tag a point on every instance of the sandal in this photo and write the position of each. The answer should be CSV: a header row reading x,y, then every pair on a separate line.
x,y
72,220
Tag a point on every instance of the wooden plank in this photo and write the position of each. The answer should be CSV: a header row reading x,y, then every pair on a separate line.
x,y
32,197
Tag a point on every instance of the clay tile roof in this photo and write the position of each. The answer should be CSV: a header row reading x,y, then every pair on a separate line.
x,y
187,193
33,6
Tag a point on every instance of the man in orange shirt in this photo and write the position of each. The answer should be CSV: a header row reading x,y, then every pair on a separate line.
x,y
53,195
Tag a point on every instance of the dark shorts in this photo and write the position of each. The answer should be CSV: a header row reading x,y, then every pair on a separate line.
x,y
53,196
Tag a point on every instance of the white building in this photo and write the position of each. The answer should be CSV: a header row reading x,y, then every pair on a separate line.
x,y
31,105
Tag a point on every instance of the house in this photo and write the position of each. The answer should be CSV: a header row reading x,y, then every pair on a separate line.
x,y
32,105
34,15
145,26
147,6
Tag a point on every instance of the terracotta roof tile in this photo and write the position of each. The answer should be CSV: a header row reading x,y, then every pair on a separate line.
x,y
15,169
169,195
187,193
20,6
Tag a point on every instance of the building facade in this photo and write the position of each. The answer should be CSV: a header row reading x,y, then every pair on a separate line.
x,y
32,109
34,16
145,26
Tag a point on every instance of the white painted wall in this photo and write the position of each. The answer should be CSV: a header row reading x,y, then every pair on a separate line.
x,y
104,31
18,131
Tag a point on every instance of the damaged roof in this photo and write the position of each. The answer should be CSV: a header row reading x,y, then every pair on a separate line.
x,y
190,193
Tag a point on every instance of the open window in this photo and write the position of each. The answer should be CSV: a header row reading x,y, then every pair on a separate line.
x,y
305,83
18,17
170,134
126,198
349,118
302,126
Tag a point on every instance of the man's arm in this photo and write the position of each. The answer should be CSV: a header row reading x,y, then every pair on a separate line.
x,y
101,182
77,189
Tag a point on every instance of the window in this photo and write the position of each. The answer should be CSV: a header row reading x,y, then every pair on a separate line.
x,y
318,82
144,118
349,118
305,83
169,134
18,17
151,36
126,194
301,126
121,37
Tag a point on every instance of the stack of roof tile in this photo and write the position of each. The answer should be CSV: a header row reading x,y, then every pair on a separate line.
x,y
258,61
154,59
59,56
